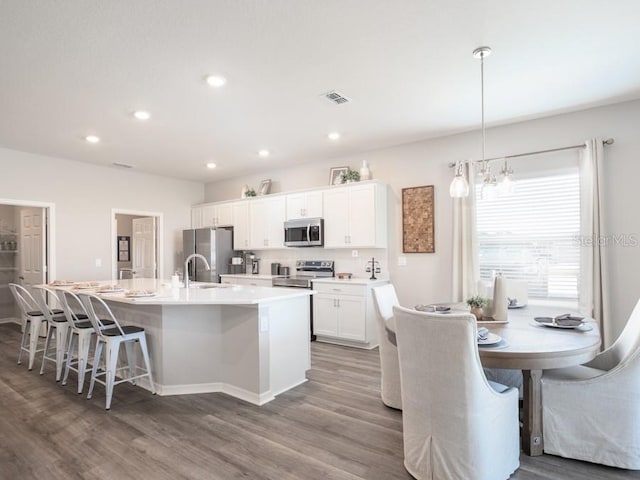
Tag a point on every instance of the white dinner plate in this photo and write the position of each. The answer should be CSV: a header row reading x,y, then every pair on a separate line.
x,y
491,339
111,290
140,294
61,283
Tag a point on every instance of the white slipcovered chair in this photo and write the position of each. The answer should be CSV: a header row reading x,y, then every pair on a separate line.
x,y
385,299
456,425
592,412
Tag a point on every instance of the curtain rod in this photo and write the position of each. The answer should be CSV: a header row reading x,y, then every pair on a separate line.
x,y
608,141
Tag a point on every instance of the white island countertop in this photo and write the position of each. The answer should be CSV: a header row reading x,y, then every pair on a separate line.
x,y
199,294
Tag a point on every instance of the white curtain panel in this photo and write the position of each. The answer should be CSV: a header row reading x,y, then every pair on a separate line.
x,y
466,270
594,288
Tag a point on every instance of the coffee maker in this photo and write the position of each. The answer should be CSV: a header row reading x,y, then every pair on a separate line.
x,y
252,263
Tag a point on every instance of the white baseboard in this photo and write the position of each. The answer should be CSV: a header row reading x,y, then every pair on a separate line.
x,y
10,320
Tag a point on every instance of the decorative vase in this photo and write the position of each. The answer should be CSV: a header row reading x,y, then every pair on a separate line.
x,y
365,173
500,302
478,312
243,193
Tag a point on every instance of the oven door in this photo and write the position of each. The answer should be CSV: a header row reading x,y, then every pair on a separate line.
x,y
304,233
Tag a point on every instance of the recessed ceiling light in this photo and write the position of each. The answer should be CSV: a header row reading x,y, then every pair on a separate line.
x,y
216,81
264,153
334,136
142,115
211,165
92,139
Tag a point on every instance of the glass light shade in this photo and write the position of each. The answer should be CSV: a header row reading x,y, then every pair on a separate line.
x,y
489,191
459,186
507,186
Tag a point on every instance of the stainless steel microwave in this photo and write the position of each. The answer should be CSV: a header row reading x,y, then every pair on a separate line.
x,y
304,232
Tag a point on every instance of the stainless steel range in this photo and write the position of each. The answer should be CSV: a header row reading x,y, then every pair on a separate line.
x,y
306,270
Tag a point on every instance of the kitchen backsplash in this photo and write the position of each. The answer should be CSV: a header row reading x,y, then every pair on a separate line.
x,y
344,261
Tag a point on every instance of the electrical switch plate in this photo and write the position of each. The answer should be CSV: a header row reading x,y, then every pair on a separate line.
x,y
402,261
264,323
98,262
354,253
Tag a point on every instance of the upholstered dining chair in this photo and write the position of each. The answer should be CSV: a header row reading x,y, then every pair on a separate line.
x,y
456,424
385,299
591,412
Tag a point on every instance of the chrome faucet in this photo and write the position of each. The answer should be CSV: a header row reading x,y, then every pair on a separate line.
x,y
186,266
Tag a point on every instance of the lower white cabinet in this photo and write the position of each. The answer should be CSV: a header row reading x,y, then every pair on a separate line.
x,y
343,312
246,280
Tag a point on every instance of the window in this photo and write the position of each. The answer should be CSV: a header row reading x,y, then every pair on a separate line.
x,y
532,235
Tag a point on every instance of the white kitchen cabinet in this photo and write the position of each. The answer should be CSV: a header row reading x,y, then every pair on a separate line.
x,y
241,225
196,217
217,215
250,280
343,312
355,216
304,205
266,218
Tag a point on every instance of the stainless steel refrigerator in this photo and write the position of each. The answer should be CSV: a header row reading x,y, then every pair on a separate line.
x,y
215,244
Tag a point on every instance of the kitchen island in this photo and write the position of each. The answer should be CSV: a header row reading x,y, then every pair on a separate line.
x,y
249,342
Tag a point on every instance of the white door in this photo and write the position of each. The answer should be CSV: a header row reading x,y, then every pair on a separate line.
x,y
336,220
362,219
32,246
241,225
143,250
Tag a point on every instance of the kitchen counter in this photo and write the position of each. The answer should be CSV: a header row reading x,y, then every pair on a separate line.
x,y
249,342
259,276
352,281
200,293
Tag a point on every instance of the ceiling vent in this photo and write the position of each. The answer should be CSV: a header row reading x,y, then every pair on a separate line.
x,y
336,98
122,165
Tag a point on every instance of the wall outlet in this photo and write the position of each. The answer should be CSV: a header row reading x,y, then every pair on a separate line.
x,y
402,261
98,262
354,253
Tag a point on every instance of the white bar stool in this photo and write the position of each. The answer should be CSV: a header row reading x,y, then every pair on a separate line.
x,y
109,338
81,331
58,329
32,321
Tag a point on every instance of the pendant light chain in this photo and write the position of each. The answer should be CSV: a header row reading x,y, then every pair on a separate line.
x,y
482,102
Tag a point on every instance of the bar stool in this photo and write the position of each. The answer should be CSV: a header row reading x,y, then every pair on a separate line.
x,y
81,331
58,329
110,338
32,321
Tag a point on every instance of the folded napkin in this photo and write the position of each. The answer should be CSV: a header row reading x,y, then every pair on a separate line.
x,y
483,333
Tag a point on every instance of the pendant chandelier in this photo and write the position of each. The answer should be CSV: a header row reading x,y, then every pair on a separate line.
x,y
490,189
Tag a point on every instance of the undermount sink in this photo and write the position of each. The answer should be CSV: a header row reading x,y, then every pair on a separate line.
x,y
203,286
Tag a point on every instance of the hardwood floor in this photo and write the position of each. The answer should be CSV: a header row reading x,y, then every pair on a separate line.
x,y
332,427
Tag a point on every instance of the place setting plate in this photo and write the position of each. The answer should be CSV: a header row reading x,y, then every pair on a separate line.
x,y
140,294
563,322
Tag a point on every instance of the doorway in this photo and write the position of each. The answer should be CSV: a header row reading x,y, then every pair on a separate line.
x,y
136,244
27,249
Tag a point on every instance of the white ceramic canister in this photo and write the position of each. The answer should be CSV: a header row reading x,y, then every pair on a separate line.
x,y
365,173
500,302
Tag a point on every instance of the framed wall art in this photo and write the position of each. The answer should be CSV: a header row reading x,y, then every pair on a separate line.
x,y
124,248
335,175
418,213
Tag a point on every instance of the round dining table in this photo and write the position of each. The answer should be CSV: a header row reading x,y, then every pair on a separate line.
x,y
532,347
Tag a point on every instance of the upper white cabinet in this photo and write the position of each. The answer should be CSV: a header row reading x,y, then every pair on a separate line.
x,y
196,217
356,216
266,219
240,225
217,215
304,205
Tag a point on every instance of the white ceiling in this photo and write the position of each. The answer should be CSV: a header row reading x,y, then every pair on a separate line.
x,y
72,68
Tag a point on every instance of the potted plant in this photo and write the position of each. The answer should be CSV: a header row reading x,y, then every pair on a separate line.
x,y
251,193
477,303
350,176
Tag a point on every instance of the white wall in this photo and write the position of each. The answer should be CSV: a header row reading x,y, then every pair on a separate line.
x,y
84,196
427,277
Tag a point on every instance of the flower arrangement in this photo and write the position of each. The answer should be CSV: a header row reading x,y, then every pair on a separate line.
x,y
350,176
251,193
